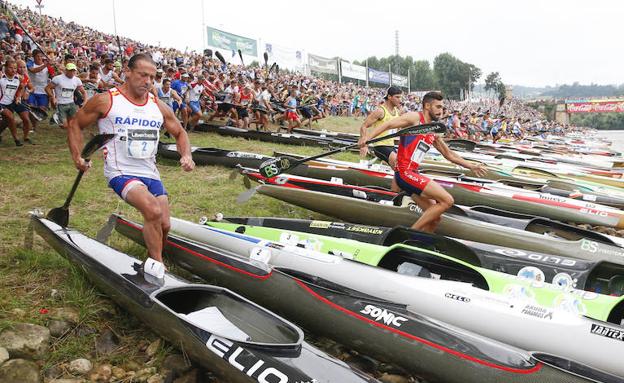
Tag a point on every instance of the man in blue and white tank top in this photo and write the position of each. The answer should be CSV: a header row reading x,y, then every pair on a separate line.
x,y
135,116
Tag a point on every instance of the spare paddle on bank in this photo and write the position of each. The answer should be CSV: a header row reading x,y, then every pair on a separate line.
x,y
278,165
60,215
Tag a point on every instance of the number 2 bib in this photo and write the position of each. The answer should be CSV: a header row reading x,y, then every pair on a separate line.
x,y
142,143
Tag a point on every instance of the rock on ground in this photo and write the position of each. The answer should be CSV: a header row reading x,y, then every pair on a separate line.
x,y
19,371
25,340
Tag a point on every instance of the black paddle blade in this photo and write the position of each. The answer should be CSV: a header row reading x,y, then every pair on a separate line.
x,y
266,59
274,166
272,67
220,57
240,54
94,144
208,52
277,70
59,215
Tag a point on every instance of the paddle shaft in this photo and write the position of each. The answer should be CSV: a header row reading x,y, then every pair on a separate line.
x,y
73,190
410,130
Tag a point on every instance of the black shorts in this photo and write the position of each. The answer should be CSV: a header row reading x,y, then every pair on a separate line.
x,y
306,112
383,152
224,107
242,112
17,108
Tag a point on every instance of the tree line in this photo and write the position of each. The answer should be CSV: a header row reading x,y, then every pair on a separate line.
x,y
454,77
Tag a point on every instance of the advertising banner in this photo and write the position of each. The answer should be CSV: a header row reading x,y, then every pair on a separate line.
x,y
322,64
378,76
399,80
357,72
595,106
232,42
284,56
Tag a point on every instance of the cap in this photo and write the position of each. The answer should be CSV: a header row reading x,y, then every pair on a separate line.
x,y
392,91
184,75
71,66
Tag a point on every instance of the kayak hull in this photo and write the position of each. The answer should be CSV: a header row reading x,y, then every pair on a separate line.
x,y
425,347
239,341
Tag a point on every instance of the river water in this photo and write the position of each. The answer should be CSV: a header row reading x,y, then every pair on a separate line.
x,y
615,136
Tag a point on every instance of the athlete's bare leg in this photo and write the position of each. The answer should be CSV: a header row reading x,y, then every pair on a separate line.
x,y
154,211
427,221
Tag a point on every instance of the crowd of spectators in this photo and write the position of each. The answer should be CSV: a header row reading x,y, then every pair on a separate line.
x,y
50,65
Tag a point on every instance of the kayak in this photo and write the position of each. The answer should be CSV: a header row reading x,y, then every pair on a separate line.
x,y
219,329
381,175
528,285
599,277
480,225
473,194
374,326
278,138
214,156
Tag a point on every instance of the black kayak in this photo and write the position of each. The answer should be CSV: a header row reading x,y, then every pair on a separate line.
x,y
219,329
278,138
214,156
392,332
599,277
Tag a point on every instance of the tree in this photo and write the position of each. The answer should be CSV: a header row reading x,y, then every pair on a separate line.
x,y
421,76
491,81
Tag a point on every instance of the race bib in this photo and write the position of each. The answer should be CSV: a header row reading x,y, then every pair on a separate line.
x,y
419,153
10,90
142,143
67,93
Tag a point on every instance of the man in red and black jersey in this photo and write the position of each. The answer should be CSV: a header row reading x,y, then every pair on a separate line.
x,y
428,194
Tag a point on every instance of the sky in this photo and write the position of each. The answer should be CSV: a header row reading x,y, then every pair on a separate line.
x,y
529,42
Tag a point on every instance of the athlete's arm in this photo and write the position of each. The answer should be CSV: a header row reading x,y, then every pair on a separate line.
x,y
82,91
403,121
377,115
173,126
175,96
479,169
94,109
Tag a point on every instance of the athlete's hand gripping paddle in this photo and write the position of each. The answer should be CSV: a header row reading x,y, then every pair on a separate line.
x,y
278,165
60,215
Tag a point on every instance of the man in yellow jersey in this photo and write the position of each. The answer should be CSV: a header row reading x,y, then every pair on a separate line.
x,y
384,150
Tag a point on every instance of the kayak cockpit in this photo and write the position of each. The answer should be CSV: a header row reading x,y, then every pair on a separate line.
x,y
225,314
410,261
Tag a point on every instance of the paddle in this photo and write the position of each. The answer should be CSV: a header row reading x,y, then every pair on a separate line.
x,y
240,54
60,215
266,65
220,57
276,166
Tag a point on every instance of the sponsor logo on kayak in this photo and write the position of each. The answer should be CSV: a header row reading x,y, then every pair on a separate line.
x,y
364,229
552,197
594,212
457,297
514,253
245,361
537,311
607,332
320,224
594,247
243,155
383,315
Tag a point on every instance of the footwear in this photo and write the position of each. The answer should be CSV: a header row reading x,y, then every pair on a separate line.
x,y
18,143
56,118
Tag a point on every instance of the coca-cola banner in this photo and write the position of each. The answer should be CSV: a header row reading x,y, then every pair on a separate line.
x,y
595,106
